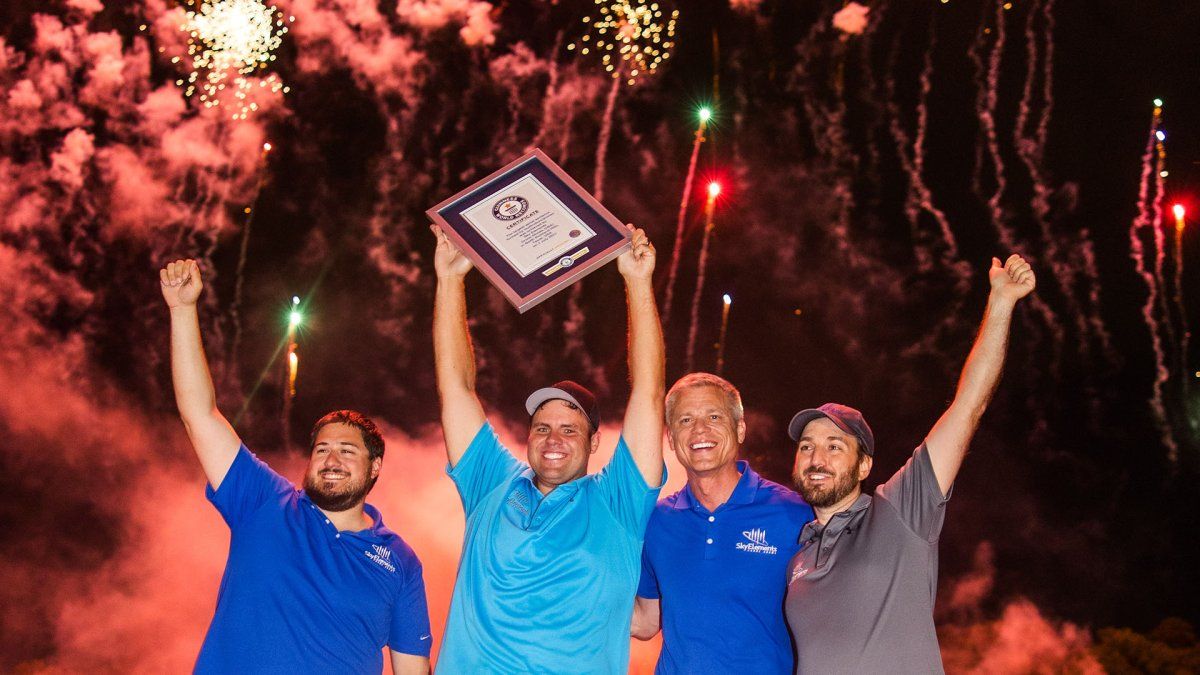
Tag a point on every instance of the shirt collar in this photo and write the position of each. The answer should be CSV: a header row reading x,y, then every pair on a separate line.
x,y
376,532
839,519
528,478
743,493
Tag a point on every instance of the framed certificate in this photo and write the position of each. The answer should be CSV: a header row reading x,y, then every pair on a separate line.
x,y
531,229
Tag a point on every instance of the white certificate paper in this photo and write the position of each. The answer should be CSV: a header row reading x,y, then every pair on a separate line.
x,y
528,225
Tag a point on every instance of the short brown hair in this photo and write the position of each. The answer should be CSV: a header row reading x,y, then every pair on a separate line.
x,y
372,439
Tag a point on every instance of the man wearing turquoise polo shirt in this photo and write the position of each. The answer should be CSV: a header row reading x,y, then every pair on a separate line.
x,y
717,551
550,558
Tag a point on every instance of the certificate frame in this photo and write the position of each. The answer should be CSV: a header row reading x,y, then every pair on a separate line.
x,y
608,236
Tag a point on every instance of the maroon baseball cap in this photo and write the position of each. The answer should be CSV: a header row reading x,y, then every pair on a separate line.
x,y
569,391
844,417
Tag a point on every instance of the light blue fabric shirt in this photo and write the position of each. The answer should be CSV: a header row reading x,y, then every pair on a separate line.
x,y
545,584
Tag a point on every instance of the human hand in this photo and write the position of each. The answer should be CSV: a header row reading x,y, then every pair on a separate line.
x,y
448,260
181,283
1013,280
638,261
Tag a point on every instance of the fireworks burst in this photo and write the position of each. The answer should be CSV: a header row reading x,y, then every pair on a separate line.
x,y
632,38
228,42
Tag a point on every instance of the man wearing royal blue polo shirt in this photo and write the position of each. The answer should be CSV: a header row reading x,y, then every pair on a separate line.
x,y
551,554
717,551
314,582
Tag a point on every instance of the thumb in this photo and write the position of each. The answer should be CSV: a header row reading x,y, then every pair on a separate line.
x,y
996,262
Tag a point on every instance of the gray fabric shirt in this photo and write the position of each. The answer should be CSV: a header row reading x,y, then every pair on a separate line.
x,y
861,589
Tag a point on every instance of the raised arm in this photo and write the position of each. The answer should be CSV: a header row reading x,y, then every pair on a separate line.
x,y
948,440
643,428
215,441
454,361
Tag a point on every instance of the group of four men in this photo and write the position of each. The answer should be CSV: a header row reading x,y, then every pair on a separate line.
x,y
553,557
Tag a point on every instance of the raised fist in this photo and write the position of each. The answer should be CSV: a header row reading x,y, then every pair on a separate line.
x,y
181,283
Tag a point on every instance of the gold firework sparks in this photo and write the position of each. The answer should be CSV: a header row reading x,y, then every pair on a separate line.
x,y
229,42
632,37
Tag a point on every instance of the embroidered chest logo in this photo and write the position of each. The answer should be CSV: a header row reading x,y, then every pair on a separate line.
x,y
519,501
381,556
757,539
800,571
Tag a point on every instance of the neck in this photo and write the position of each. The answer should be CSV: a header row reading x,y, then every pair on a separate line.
x,y
827,512
352,519
712,489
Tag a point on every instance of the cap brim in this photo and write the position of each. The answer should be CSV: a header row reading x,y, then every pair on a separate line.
x,y
802,418
544,394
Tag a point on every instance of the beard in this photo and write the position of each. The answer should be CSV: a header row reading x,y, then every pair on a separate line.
x,y
824,496
336,497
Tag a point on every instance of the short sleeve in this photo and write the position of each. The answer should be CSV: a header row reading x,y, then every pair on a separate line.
x,y
628,496
249,484
484,465
409,632
915,494
648,585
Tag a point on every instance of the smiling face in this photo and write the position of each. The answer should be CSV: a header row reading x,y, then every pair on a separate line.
x,y
704,432
829,467
340,469
560,444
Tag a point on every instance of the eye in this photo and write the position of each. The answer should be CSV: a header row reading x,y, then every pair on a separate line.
x,y
714,416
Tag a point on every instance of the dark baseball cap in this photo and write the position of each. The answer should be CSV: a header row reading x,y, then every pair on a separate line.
x,y
846,418
572,392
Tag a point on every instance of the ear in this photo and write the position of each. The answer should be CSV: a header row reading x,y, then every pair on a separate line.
x,y
864,466
741,431
595,442
376,465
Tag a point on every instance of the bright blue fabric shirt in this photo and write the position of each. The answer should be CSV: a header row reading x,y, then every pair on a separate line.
x,y
545,583
722,577
300,597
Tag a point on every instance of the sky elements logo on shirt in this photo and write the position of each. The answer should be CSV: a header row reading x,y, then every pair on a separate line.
x,y
382,556
758,542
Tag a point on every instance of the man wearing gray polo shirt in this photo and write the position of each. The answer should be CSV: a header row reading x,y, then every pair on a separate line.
x,y
861,589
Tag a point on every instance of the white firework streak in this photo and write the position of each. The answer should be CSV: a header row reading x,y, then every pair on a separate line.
x,y
1144,219
610,106
673,271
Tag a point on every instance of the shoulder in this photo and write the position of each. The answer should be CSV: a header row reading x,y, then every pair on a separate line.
x,y
775,495
403,554
669,503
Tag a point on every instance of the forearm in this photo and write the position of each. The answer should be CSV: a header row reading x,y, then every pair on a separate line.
x,y
981,372
453,357
194,393
644,414
647,353
947,442
454,363
213,439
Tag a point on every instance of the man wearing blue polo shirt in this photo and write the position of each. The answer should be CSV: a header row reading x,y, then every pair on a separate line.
x,y
551,554
314,583
717,551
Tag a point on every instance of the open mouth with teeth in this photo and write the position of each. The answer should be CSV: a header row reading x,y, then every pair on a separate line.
x,y
334,475
703,445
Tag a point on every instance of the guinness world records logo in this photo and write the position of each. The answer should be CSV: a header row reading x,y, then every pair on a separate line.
x,y
510,208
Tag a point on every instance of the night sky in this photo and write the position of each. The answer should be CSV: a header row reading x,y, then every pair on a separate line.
x,y
868,178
